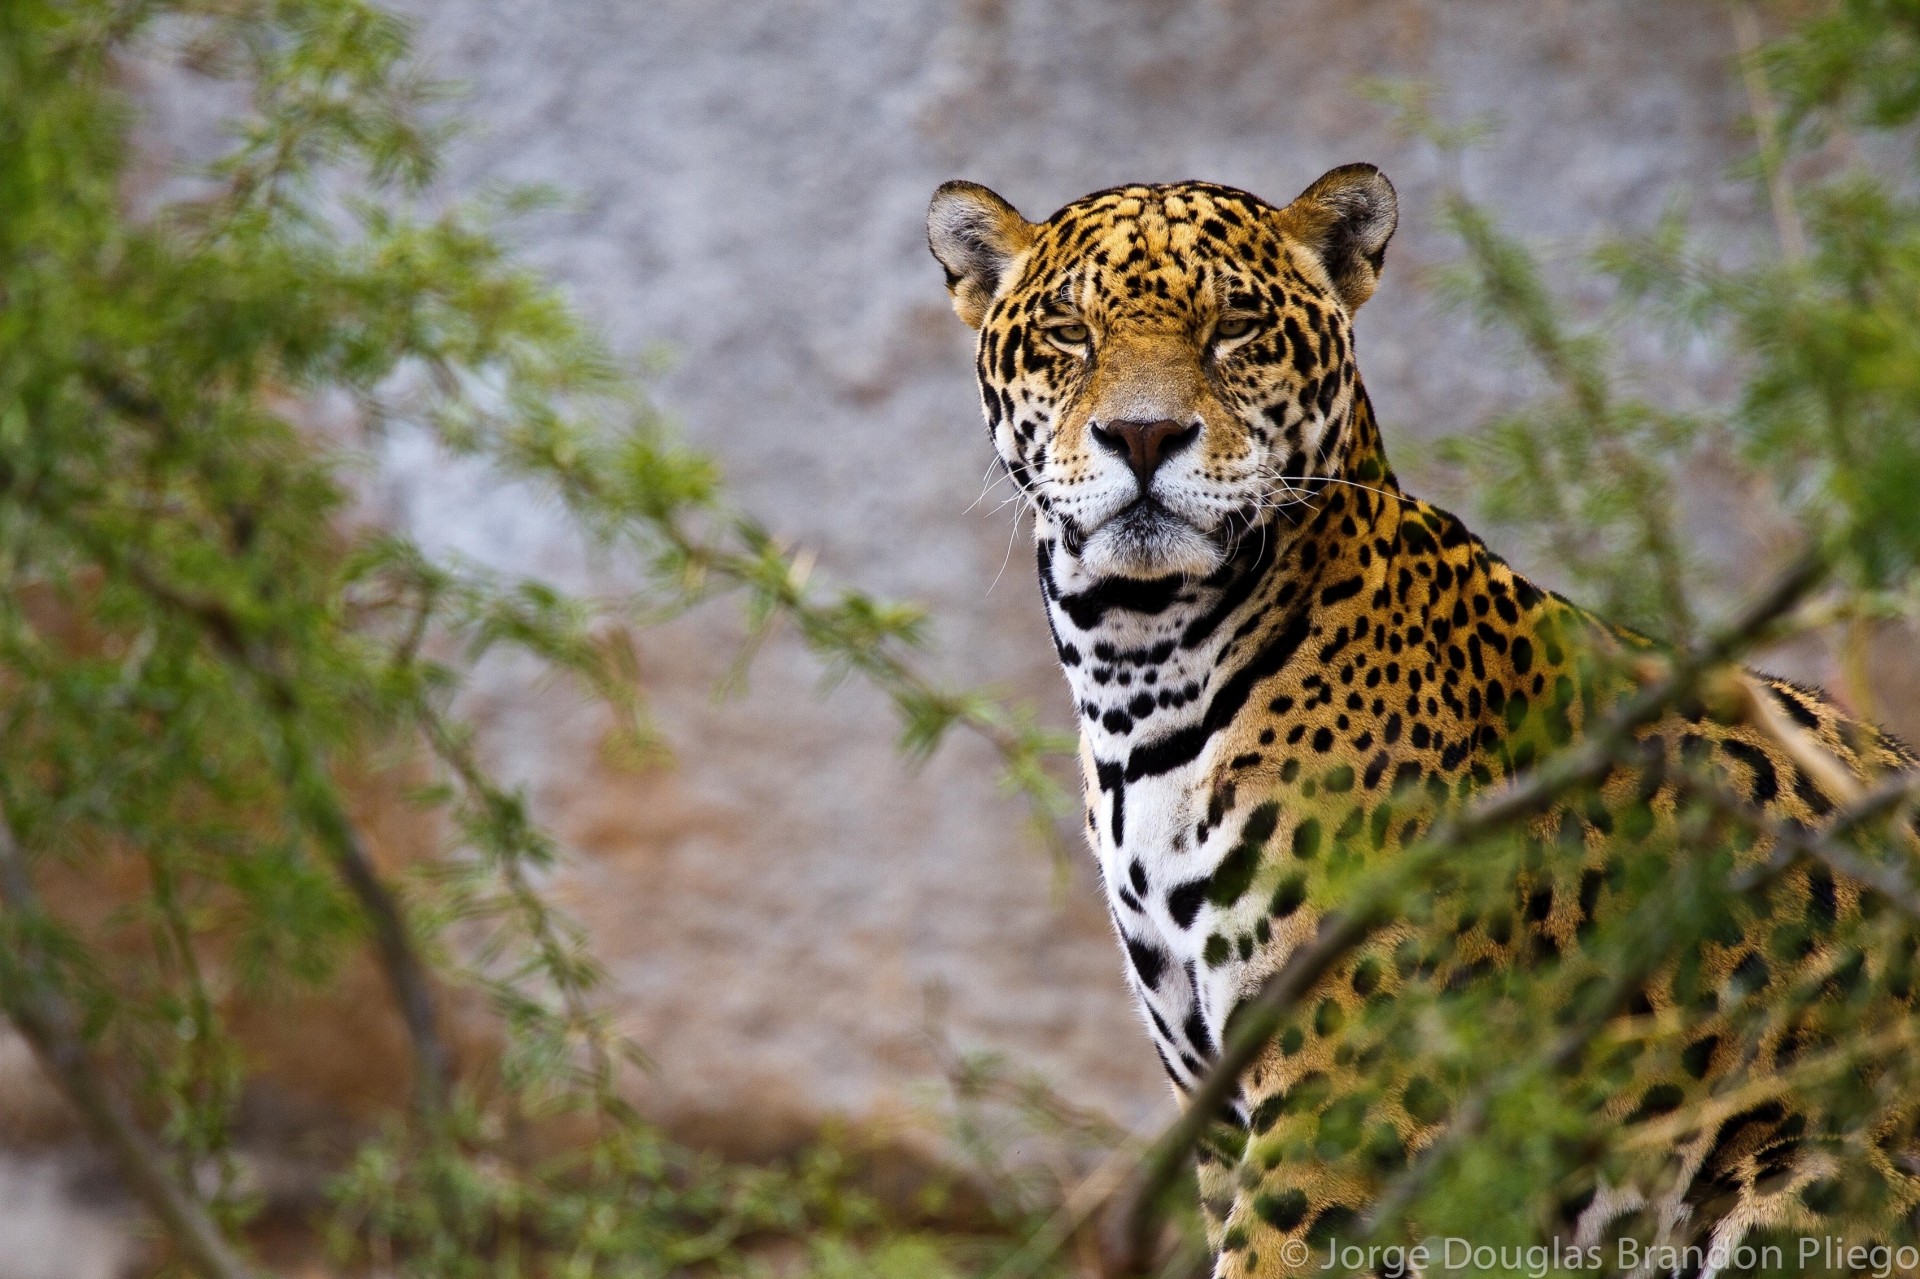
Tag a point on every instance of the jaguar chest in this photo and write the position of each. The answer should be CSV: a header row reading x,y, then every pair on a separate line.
x,y
1149,685
1163,879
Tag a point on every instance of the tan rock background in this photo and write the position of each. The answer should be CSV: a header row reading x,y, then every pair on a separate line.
x,y
745,183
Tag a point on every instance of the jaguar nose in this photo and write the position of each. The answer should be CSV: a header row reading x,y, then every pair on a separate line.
x,y
1145,445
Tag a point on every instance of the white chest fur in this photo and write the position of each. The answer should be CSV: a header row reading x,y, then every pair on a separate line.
x,y
1143,669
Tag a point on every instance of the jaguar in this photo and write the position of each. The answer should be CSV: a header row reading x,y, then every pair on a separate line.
x,y
1277,656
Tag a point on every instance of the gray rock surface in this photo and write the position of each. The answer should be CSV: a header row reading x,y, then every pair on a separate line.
x,y
61,1219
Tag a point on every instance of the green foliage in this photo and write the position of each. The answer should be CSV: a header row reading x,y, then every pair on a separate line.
x,y
627,1204
1829,401
1822,344
1854,62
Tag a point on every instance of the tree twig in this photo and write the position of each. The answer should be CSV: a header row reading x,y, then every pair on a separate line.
x,y
1793,843
393,943
1766,127
51,1029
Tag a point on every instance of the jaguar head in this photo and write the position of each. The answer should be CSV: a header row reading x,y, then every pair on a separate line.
x,y
1163,367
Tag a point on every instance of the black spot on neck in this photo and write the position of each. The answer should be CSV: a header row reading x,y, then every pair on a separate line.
x,y
1087,609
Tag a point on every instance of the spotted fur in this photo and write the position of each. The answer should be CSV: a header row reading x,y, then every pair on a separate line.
x,y
1268,641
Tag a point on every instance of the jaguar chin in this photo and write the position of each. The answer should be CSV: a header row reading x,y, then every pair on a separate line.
x,y
1146,540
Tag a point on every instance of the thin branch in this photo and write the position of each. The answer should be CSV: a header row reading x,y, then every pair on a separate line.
x,y
393,944
1080,1206
52,1030
1766,127
199,1091
1585,386
320,808
535,917
1526,795
1793,844
739,560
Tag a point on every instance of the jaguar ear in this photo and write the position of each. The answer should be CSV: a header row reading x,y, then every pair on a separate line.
x,y
1347,217
976,236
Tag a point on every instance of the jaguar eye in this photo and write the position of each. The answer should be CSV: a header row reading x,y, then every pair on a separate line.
x,y
1236,326
1069,337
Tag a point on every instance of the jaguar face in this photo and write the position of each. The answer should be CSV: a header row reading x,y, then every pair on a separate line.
x,y
1162,366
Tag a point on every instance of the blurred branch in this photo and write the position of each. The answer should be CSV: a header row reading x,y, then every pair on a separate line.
x,y
1766,127
1587,468
51,1029
557,956
1793,844
393,944
1081,1205
854,633
1512,292
206,1092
